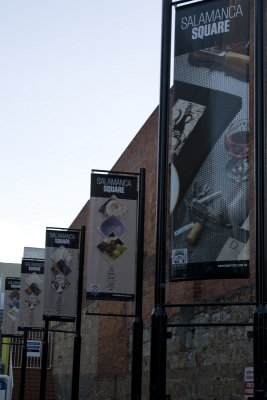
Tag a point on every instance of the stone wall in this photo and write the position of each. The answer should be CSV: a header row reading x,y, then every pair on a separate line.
x,y
203,363
208,363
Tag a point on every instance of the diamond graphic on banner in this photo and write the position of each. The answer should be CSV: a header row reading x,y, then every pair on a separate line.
x,y
60,270
34,278
61,253
59,283
112,225
13,311
111,248
33,289
61,267
14,296
32,301
113,207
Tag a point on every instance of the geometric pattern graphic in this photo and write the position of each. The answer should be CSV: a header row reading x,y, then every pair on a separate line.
x,y
60,270
33,290
111,248
113,207
112,225
32,301
13,305
61,253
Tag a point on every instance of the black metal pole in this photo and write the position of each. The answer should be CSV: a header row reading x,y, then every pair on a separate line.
x,y
77,338
159,318
260,315
137,348
44,362
23,367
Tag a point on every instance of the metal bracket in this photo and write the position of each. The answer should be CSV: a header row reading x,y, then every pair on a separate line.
x,y
250,334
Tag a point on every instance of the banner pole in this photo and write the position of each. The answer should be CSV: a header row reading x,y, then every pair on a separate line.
x,y
260,314
137,348
23,367
159,316
77,338
44,362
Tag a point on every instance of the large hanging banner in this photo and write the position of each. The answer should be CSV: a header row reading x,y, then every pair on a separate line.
x,y
209,155
61,274
11,306
112,237
31,293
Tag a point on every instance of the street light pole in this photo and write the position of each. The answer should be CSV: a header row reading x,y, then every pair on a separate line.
x,y
159,317
260,314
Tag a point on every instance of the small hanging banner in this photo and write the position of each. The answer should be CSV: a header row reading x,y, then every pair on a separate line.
x,y
31,293
61,274
210,142
112,237
11,307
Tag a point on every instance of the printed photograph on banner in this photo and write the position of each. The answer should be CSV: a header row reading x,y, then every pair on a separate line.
x,y
111,248
209,170
184,118
113,207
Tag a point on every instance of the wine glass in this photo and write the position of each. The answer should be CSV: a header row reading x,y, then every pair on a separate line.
x,y
236,144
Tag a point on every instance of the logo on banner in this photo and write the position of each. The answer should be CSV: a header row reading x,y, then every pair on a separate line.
x,y
212,22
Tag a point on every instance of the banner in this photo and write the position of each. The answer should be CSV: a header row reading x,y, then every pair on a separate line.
x,y
209,152
11,306
61,274
31,293
35,253
112,237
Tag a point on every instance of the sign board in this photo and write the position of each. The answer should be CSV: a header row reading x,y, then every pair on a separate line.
x,y
3,387
112,237
209,152
61,273
31,293
249,383
34,348
11,306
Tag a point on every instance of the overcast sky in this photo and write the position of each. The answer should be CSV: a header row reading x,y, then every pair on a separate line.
x,y
78,80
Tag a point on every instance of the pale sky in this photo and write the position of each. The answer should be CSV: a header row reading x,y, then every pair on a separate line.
x,y
78,78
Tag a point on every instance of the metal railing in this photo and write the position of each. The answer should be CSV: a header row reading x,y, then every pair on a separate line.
x,y
33,360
